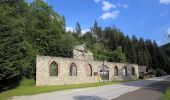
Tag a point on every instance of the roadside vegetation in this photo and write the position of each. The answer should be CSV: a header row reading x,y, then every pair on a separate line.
x,y
167,95
30,29
153,73
27,87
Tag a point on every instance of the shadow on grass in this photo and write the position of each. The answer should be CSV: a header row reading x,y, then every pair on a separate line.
x,y
9,84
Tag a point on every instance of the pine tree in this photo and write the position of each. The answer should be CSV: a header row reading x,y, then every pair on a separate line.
x,y
97,31
78,29
10,46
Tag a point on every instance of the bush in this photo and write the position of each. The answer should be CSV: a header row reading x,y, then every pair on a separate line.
x,y
160,72
141,75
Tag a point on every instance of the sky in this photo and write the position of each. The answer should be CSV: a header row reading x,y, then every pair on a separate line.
x,y
149,19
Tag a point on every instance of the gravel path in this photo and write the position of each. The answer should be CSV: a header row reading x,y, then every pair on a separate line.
x,y
106,92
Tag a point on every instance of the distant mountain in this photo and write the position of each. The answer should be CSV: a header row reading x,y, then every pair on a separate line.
x,y
166,48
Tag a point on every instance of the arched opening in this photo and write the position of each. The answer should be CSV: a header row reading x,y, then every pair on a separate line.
x,y
104,73
125,71
133,71
73,70
53,69
89,70
115,71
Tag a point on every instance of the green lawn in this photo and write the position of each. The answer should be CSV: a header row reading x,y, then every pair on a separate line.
x,y
27,87
167,94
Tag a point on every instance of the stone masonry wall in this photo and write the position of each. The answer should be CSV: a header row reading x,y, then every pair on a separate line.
x,y
43,77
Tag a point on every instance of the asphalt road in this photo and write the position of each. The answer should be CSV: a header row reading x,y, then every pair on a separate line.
x,y
151,92
106,92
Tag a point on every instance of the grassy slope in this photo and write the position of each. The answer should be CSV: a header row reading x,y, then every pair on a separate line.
x,y
27,87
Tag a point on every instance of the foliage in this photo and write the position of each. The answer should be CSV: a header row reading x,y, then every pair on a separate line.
x,y
141,75
118,55
166,48
96,31
10,48
166,95
160,72
27,30
78,29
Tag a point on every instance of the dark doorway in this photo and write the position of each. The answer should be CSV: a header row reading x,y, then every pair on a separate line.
x,y
104,73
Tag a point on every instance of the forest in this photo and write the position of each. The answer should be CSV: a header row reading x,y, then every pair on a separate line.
x,y
166,48
30,29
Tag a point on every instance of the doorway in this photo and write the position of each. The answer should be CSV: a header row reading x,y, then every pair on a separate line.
x,y
104,73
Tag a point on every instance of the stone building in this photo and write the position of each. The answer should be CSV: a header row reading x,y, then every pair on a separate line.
x,y
81,69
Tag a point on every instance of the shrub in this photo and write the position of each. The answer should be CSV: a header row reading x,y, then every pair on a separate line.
x,y
141,75
160,72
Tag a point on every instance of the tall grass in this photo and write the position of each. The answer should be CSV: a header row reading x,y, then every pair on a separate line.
x,y
167,95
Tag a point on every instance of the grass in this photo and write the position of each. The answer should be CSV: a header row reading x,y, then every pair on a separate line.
x,y
27,87
167,95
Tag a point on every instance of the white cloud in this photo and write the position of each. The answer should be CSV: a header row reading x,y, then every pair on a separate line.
x,y
168,31
123,5
97,1
83,31
69,29
158,43
164,1
108,15
30,1
107,6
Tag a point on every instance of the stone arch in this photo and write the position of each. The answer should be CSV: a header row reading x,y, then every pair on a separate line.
x,y
116,71
133,71
53,69
104,73
89,70
125,71
73,69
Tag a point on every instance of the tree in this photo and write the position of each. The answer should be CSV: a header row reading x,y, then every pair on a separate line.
x,y
134,41
10,46
118,55
78,29
97,31
26,31
64,22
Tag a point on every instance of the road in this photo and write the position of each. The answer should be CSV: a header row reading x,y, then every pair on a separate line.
x,y
153,91
106,92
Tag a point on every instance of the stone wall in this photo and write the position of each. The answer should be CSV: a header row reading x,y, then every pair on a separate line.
x,y
43,77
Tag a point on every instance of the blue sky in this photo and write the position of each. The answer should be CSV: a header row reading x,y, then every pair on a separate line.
x,y
149,19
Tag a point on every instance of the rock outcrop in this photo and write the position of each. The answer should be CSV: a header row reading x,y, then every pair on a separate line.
x,y
82,53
